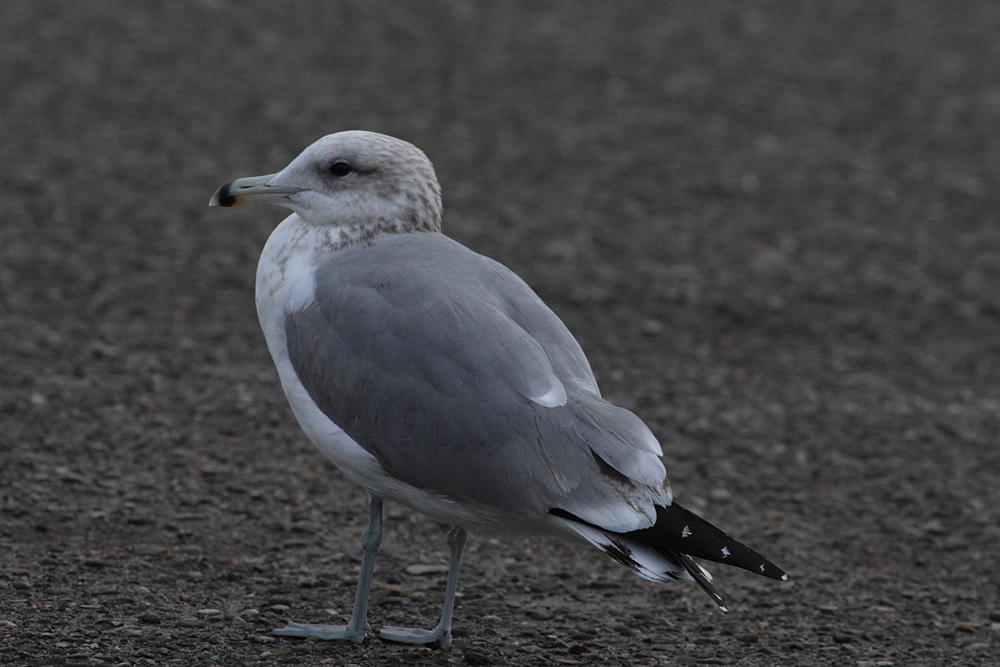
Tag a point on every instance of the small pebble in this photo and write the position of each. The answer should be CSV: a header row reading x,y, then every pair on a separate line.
x,y
209,612
720,494
934,527
422,569
67,475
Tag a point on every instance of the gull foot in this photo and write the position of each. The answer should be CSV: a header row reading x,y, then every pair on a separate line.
x,y
324,632
412,636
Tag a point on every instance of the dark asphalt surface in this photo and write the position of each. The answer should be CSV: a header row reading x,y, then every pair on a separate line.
x,y
773,227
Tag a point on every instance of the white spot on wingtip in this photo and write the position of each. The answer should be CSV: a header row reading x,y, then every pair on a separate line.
x,y
762,568
686,532
784,577
725,552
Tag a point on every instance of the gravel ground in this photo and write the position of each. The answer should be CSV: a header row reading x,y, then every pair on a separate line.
x,y
773,227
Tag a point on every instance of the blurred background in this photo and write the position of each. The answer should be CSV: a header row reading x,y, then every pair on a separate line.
x,y
773,226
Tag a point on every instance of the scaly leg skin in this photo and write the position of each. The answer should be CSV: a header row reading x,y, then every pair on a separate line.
x,y
354,631
442,633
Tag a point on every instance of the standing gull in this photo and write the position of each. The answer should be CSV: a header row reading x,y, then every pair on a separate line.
x,y
435,377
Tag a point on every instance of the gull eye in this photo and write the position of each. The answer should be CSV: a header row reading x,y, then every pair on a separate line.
x,y
340,168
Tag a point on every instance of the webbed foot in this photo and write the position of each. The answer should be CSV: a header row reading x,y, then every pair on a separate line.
x,y
438,635
324,632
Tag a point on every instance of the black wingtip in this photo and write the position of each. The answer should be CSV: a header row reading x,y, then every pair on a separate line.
x,y
679,534
684,531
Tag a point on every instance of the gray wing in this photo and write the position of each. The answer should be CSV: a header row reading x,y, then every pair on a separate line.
x,y
447,368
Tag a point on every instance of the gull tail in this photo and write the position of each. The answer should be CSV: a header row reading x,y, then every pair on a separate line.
x,y
663,552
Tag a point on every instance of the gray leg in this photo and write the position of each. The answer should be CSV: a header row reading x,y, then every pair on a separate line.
x,y
442,633
355,629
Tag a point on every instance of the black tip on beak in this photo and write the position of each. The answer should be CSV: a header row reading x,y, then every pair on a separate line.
x,y
222,197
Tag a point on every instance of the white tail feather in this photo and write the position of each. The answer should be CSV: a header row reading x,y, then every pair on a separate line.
x,y
639,558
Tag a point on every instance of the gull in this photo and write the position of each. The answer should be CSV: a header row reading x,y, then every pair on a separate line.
x,y
434,377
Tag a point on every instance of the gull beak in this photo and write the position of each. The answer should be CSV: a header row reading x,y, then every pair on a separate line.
x,y
252,189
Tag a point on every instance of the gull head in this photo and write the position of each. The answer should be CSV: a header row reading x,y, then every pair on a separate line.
x,y
361,182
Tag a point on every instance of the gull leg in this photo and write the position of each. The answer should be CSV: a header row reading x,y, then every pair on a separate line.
x,y
442,633
355,629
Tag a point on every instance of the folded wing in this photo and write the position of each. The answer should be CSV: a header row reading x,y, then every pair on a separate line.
x,y
447,368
